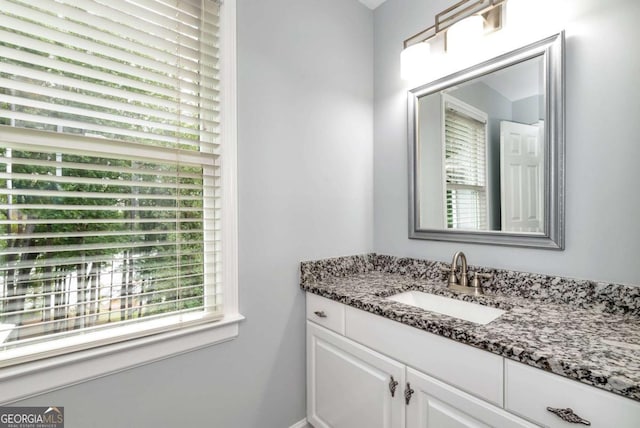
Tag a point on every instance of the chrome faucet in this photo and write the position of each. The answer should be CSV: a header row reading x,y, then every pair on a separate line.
x,y
453,279
462,283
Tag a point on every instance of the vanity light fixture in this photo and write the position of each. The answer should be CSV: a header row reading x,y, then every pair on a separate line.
x,y
457,26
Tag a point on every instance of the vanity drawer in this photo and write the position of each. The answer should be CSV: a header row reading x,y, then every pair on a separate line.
x,y
529,391
328,313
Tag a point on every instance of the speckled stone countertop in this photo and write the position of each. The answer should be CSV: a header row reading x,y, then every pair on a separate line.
x,y
583,330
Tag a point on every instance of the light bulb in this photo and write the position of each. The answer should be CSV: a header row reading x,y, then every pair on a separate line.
x,y
414,60
465,34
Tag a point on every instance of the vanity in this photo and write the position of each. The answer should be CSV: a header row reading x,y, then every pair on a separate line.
x,y
560,353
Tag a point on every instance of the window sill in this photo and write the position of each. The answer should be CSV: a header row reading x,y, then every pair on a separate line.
x,y
38,377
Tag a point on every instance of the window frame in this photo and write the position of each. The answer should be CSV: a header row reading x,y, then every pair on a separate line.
x,y
48,374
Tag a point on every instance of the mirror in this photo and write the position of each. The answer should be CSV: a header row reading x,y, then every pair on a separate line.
x,y
486,149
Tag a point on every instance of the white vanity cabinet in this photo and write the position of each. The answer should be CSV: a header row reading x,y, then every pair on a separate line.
x,y
354,358
350,385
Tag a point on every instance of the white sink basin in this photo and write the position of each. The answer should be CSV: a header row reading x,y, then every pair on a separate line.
x,y
467,311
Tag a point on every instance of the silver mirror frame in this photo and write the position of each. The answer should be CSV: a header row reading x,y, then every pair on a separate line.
x,y
552,51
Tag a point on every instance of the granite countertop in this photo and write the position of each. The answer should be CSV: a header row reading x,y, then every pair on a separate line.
x,y
582,330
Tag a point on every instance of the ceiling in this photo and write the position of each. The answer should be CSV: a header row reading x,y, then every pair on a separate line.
x,y
372,4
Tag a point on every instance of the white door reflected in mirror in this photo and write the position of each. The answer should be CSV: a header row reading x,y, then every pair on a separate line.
x,y
521,172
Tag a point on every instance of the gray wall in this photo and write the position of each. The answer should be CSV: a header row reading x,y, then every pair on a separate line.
x,y
305,180
603,202
529,110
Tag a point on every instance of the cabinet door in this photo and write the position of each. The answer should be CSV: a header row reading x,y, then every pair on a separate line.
x,y
348,385
435,404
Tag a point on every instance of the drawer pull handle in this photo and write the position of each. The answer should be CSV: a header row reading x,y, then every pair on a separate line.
x,y
568,416
321,314
408,392
393,384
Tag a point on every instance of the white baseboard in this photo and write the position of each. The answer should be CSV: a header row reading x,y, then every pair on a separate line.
x,y
301,424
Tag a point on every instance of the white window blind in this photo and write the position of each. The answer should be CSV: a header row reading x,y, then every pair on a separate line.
x,y
109,171
465,167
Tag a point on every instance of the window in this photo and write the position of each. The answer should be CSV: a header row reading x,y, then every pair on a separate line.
x,y
465,139
113,192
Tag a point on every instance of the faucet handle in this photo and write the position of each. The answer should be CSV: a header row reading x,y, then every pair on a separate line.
x,y
476,282
444,268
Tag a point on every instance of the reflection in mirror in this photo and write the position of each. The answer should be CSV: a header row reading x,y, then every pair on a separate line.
x,y
487,151
481,152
